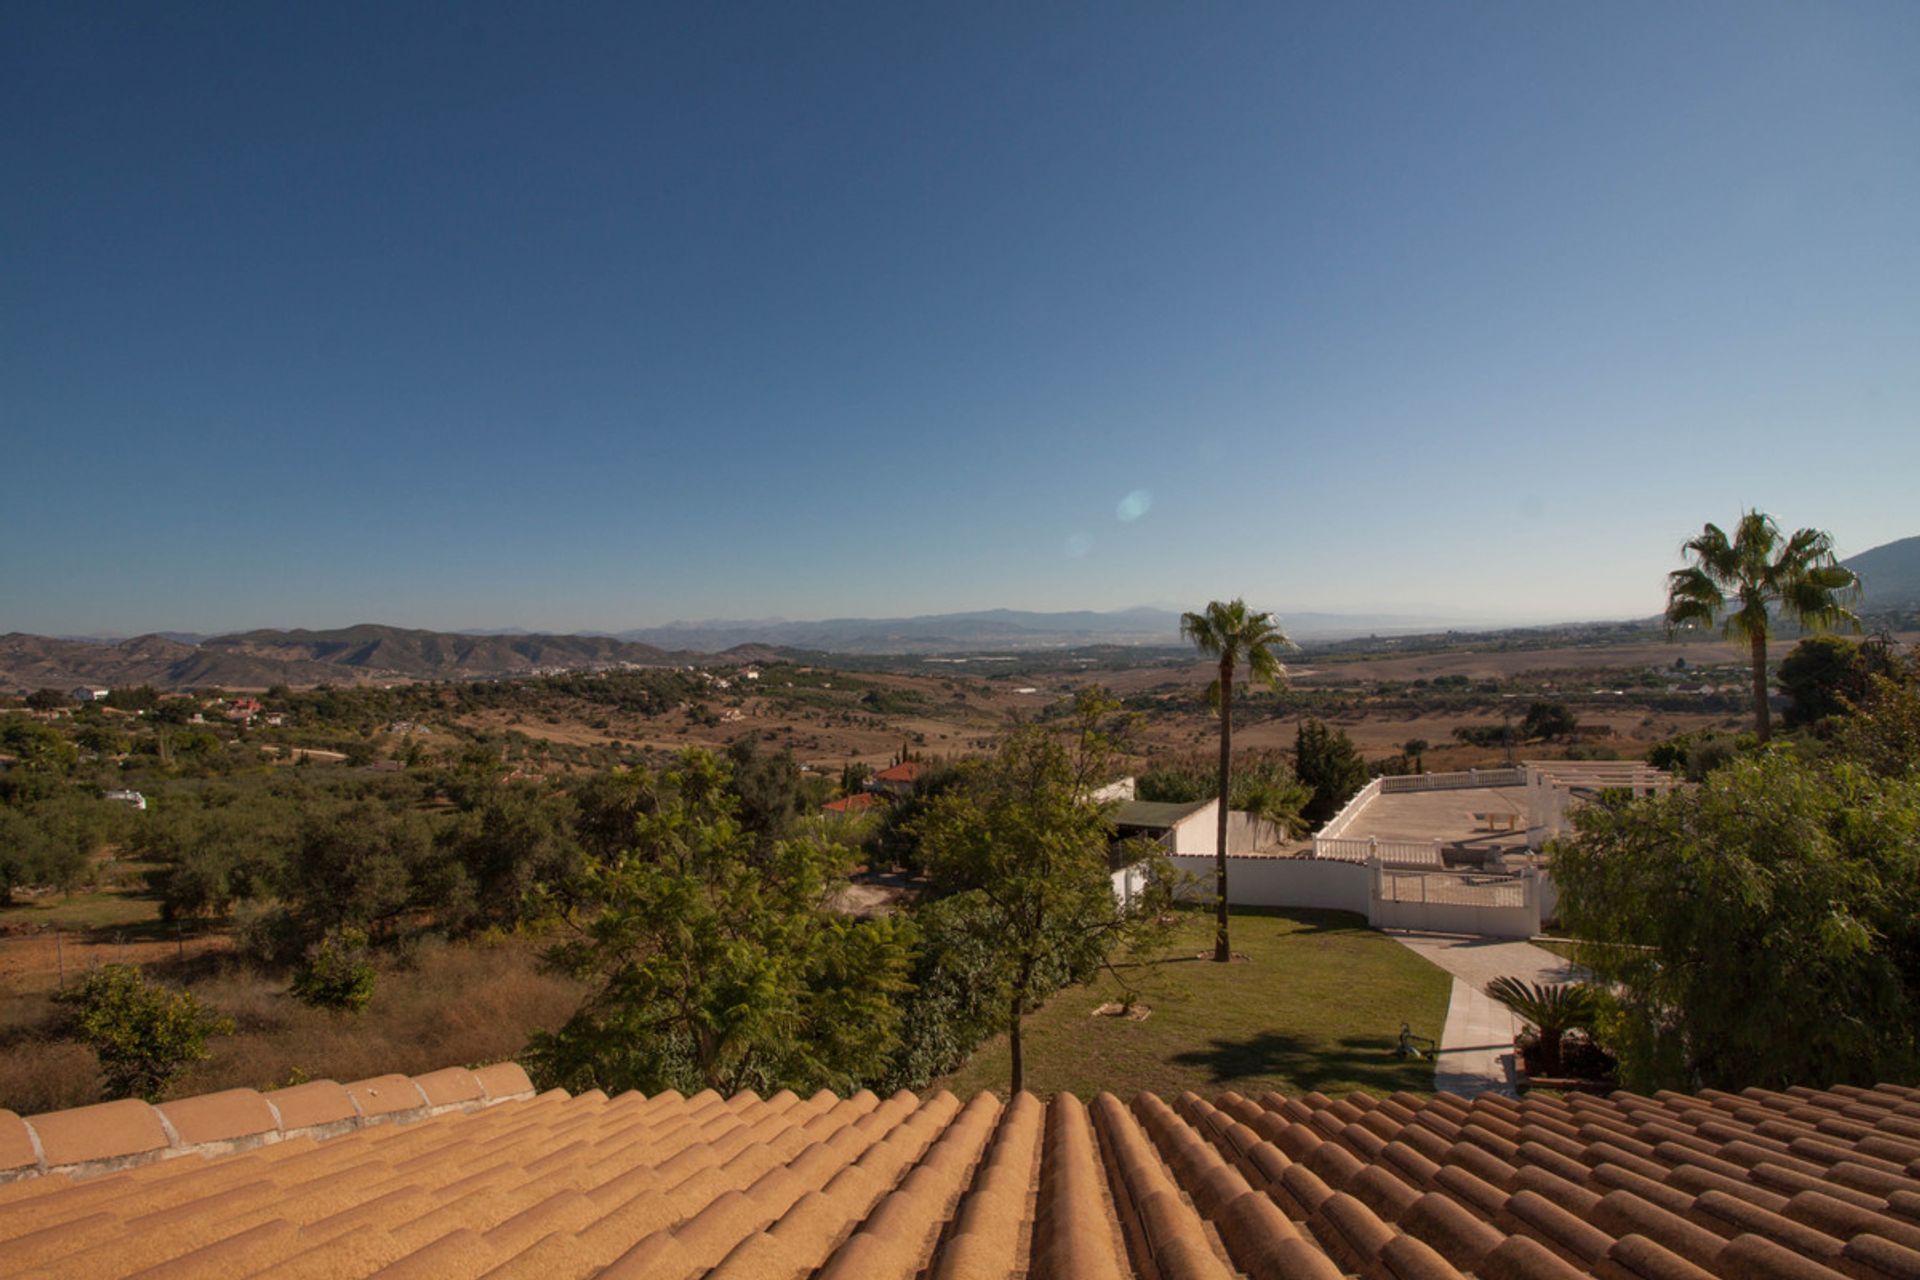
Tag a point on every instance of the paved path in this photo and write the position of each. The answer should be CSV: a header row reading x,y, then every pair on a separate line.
x,y
1476,1049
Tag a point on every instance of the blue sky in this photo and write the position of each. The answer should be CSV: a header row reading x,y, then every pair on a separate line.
x,y
597,316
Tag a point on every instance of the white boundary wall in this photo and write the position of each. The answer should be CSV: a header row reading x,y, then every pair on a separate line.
x,y
1440,902
1456,780
1284,882
1415,853
1337,825
1128,882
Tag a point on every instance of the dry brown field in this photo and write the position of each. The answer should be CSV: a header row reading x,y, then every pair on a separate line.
x,y
961,713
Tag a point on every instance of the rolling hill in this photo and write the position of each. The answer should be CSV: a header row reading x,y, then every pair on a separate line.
x,y
1889,575
347,655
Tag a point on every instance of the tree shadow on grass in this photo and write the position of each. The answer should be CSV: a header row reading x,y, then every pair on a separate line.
x,y
1367,1061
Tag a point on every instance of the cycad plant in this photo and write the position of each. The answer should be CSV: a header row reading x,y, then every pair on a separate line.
x,y
1551,1009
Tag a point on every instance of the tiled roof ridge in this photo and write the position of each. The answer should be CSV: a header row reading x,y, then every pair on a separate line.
x,y
1799,1184
105,1136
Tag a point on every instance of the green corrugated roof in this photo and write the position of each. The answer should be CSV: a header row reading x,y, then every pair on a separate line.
x,y
1154,813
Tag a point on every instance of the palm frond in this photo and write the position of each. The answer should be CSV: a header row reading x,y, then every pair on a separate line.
x,y
1550,1007
1693,597
1199,628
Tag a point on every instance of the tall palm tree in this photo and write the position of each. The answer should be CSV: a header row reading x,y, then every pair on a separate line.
x,y
1741,581
1234,635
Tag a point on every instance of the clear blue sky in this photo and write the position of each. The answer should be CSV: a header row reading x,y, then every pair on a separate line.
x,y
581,316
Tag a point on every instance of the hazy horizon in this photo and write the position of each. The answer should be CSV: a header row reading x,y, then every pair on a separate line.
x,y
599,318
1463,620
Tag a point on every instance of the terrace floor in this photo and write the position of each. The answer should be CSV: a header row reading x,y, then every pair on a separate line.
x,y
1447,816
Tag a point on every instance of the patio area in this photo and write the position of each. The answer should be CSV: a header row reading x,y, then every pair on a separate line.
x,y
1475,826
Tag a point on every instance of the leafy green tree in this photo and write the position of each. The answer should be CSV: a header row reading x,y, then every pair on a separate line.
x,y
143,1033
608,809
368,866
1823,674
1023,838
36,747
55,841
47,700
338,973
853,776
512,841
956,1002
895,840
1546,720
1327,761
27,854
1764,927
714,966
1742,581
1234,635
212,854
1263,784
173,711
1882,730
101,739
767,785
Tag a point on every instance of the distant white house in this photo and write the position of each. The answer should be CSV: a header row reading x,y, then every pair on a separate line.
x,y
87,693
133,798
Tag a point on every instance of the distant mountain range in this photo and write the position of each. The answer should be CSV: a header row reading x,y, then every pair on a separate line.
x,y
348,655
380,654
1889,576
1005,629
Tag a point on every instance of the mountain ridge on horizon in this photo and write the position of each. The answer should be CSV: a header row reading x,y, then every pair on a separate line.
x,y
367,652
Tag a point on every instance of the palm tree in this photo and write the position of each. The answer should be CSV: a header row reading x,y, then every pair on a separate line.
x,y
1233,634
1757,571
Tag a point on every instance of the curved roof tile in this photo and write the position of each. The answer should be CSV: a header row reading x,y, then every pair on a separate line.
x,y
435,1177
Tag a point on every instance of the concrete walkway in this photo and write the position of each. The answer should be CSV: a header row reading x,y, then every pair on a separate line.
x,y
1476,1049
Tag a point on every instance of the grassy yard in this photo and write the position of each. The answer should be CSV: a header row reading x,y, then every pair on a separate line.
x,y
1318,1006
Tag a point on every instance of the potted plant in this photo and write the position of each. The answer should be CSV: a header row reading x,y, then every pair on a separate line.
x,y
1558,1016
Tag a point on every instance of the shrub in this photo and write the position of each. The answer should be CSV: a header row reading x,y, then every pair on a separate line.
x,y
337,973
142,1032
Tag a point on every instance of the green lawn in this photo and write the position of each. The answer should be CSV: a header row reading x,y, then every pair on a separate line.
x,y
1318,1006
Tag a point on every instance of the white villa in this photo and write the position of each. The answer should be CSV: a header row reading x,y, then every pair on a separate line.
x,y
1449,852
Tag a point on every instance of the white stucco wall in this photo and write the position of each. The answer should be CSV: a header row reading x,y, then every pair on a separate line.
x,y
1195,833
1128,882
1444,917
1283,882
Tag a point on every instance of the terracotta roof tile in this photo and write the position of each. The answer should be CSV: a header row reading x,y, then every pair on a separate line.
x,y
220,1117
311,1105
424,1177
385,1096
450,1087
105,1131
16,1145
503,1080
